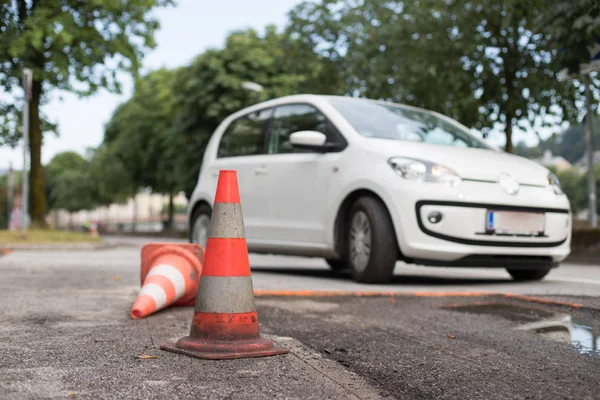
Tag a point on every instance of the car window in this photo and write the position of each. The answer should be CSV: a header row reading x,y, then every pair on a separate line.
x,y
396,122
246,135
292,118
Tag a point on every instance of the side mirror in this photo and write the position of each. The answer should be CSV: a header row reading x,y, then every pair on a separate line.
x,y
310,140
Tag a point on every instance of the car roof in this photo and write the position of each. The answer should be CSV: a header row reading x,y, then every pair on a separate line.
x,y
313,97
324,97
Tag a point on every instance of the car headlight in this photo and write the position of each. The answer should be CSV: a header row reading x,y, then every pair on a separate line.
x,y
424,171
554,183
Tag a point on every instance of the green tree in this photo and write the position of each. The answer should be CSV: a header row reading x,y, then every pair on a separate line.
x,y
521,149
482,62
74,46
68,183
139,134
570,143
211,88
573,183
112,180
574,26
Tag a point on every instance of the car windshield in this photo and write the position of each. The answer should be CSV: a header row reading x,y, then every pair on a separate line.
x,y
388,121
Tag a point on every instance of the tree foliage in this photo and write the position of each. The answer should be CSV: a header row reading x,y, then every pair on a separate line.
x,y
486,63
75,183
482,62
139,131
211,88
574,184
67,183
77,46
571,144
574,26
110,176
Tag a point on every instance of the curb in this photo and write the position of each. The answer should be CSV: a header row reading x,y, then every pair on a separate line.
x,y
7,248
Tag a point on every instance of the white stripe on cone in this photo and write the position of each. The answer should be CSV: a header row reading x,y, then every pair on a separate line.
x,y
173,274
156,292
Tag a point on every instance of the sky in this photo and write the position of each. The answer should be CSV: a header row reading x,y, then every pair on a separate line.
x,y
186,30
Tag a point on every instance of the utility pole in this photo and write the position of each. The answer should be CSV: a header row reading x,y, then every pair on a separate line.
x,y
10,193
593,219
27,80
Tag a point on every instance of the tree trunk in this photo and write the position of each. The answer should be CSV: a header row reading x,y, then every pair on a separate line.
x,y
508,131
37,196
508,147
171,212
134,221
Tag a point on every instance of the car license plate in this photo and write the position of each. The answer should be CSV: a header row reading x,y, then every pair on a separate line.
x,y
515,222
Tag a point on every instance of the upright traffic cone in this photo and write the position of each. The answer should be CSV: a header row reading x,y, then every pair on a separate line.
x,y
225,322
169,275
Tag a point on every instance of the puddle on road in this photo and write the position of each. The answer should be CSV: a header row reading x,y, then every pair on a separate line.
x,y
582,333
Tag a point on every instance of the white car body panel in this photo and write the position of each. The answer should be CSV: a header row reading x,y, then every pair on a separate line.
x,y
291,201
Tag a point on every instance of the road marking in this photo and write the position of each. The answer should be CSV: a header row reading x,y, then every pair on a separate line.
x,y
493,274
325,293
575,280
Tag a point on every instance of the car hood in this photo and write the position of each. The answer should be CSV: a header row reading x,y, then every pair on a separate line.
x,y
468,163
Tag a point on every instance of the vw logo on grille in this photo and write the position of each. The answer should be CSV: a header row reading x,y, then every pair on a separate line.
x,y
509,184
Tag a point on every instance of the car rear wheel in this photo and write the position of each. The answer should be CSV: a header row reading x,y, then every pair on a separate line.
x,y
200,224
372,247
528,274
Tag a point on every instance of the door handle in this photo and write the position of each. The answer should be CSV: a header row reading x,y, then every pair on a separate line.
x,y
260,171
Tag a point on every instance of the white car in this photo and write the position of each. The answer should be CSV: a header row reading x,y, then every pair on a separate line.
x,y
365,183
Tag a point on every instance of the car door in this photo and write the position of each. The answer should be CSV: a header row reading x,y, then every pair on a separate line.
x,y
298,179
242,148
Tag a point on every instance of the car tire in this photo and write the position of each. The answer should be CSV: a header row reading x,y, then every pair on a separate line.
x,y
371,242
528,274
337,265
199,225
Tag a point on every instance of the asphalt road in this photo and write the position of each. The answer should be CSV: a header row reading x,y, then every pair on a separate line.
x,y
425,348
65,332
299,273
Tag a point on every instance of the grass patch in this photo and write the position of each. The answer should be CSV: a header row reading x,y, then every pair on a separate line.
x,y
45,236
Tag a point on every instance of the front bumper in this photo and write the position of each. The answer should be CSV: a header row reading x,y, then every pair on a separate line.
x,y
460,237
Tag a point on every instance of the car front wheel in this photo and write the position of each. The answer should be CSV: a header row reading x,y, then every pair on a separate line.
x,y
528,274
372,247
200,224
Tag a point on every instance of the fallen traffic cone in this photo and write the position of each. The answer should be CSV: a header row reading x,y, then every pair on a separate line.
x,y
225,322
170,274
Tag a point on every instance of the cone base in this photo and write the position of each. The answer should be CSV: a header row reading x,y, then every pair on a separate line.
x,y
216,350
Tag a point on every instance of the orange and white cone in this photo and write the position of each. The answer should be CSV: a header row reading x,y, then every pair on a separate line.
x,y
170,274
225,322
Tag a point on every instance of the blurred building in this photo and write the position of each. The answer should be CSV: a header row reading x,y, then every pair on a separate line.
x,y
147,212
550,160
582,163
